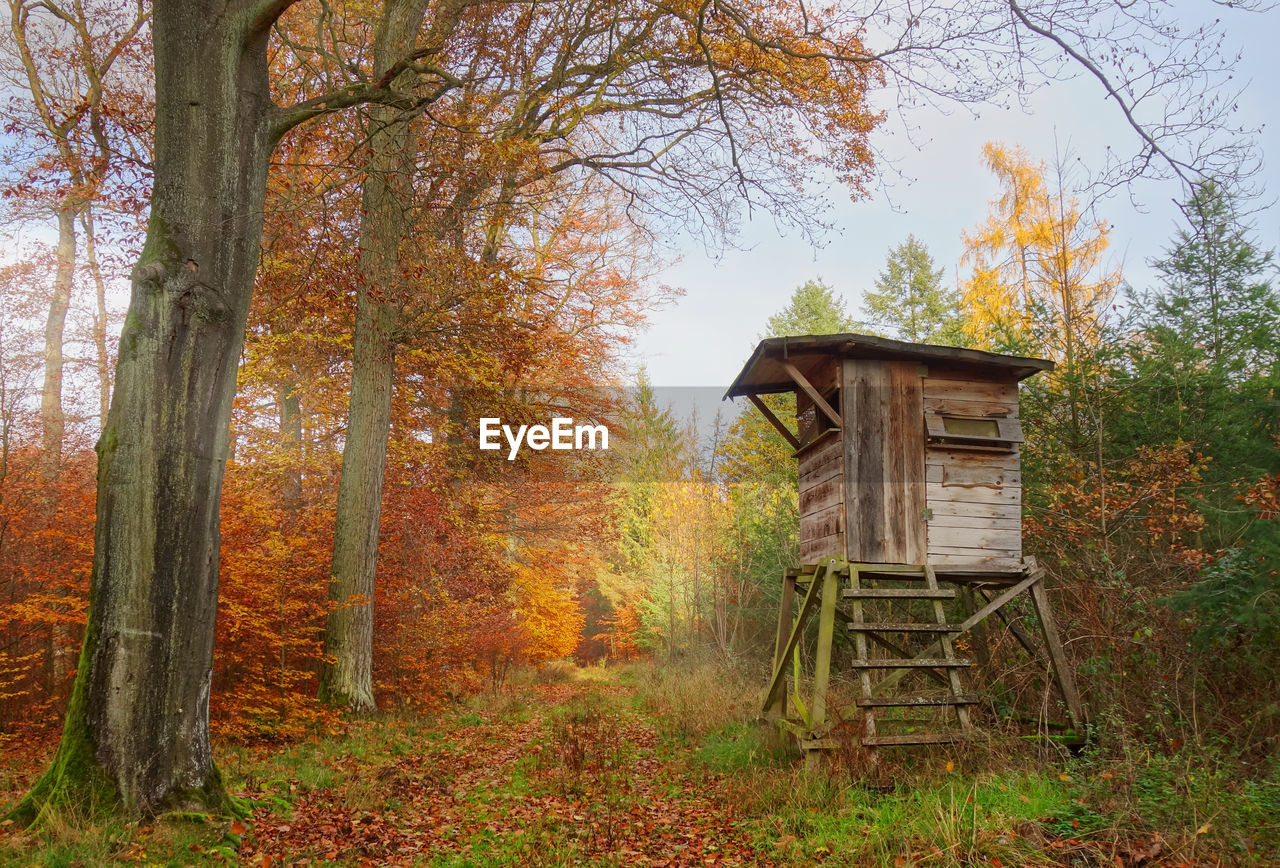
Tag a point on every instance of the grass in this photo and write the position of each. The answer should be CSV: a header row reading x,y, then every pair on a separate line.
x,y
557,769
997,803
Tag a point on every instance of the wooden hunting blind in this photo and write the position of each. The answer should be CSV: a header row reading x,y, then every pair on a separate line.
x,y
909,480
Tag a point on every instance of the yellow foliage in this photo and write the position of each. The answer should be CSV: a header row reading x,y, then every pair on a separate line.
x,y
1038,284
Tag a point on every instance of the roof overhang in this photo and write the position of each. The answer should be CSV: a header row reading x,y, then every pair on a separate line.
x,y
764,374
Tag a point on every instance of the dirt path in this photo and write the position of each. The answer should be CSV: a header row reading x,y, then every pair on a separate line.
x,y
576,777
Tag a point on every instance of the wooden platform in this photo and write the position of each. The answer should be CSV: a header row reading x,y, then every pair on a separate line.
x,y
859,595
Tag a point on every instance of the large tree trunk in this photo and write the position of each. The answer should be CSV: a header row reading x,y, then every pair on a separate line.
x,y
136,735
348,638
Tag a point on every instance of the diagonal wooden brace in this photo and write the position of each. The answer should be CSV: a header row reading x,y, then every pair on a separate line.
x,y
779,667
818,401
774,420
965,626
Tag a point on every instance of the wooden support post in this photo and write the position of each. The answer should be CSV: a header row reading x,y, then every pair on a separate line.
x,y
822,657
793,638
1057,659
778,709
864,674
944,642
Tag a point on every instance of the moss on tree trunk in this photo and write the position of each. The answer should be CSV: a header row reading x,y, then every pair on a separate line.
x,y
136,736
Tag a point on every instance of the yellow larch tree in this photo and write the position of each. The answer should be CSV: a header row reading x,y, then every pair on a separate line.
x,y
1038,285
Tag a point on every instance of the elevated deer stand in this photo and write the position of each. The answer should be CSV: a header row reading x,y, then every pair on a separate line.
x,y
910,497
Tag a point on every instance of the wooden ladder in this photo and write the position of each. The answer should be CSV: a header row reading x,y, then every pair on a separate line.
x,y
944,668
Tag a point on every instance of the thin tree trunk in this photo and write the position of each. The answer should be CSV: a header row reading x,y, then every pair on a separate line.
x,y
136,735
53,423
51,419
347,681
99,318
291,439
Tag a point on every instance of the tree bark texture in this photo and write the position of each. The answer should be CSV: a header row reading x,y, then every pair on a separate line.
x,y
51,419
136,735
347,681
99,317
291,435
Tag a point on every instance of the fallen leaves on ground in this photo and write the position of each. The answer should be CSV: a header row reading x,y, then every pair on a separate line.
x,y
503,788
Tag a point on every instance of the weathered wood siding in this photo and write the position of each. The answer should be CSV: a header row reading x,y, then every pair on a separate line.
x,y
883,412
974,496
822,488
822,500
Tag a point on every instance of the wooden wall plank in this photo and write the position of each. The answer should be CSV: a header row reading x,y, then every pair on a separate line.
x,y
853,411
972,475
826,522
823,461
960,494
971,390
974,538
814,550
865,399
908,395
894,523
1001,523
975,510
941,455
971,408
958,551
816,498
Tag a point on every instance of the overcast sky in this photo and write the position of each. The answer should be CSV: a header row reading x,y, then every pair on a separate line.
x,y
704,338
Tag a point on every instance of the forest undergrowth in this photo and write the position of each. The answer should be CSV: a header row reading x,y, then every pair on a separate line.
x,y
653,765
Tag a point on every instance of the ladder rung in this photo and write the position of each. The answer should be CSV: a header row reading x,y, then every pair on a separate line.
x,y
913,663
905,628
918,738
908,701
900,593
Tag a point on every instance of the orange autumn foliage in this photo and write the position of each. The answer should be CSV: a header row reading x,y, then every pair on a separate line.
x,y
1144,499
46,554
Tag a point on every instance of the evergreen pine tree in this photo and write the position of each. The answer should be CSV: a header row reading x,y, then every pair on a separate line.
x,y
909,300
814,309
1208,357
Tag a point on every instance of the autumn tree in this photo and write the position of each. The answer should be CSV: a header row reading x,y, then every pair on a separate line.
x,y
1205,349
1039,285
546,120
73,144
348,680
136,732
78,64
